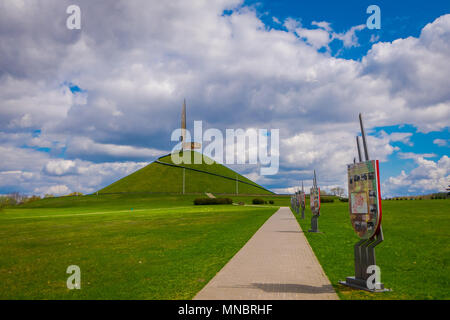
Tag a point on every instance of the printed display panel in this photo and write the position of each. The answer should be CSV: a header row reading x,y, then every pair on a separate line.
x,y
364,198
297,199
314,201
302,199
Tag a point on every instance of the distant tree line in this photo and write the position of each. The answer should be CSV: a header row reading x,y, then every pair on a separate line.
x,y
338,191
16,198
433,196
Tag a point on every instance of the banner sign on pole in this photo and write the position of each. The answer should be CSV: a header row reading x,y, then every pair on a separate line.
x,y
364,201
364,198
314,201
302,196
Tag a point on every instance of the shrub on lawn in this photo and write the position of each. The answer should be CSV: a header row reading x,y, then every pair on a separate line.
x,y
208,201
343,199
326,200
271,202
258,201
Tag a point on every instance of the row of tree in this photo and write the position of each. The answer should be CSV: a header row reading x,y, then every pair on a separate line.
x,y
16,198
338,191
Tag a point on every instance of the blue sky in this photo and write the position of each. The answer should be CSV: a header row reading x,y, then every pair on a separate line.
x,y
399,20
420,143
95,104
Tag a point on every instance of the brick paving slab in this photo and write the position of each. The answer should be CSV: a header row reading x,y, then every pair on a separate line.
x,y
277,263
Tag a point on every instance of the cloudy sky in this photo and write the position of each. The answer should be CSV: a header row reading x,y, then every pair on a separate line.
x,y
82,108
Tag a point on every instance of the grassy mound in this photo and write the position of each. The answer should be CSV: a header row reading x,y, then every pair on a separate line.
x,y
157,177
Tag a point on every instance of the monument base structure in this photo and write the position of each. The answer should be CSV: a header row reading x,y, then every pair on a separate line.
x,y
365,257
314,224
362,285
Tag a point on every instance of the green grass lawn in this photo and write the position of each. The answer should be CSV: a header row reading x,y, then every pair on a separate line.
x,y
163,247
128,247
414,257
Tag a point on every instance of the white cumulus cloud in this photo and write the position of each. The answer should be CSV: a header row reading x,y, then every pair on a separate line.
x,y
136,60
429,176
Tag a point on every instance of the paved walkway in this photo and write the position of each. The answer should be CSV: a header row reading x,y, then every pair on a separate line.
x,y
276,263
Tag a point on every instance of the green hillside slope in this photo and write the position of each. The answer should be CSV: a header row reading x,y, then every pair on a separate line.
x,y
163,176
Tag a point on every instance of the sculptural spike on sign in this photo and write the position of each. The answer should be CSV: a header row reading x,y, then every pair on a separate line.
x,y
359,149
363,134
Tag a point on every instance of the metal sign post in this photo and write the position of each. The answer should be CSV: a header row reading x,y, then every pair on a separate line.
x,y
302,201
314,200
365,215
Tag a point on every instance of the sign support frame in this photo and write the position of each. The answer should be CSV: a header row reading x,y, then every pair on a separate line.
x,y
303,202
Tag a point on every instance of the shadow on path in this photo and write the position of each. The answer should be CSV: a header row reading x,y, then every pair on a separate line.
x,y
287,287
293,288
289,231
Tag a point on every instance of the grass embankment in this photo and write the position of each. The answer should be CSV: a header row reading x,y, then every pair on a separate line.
x,y
161,178
414,258
127,246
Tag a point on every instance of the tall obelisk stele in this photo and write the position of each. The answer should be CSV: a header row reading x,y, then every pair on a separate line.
x,y
186,145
